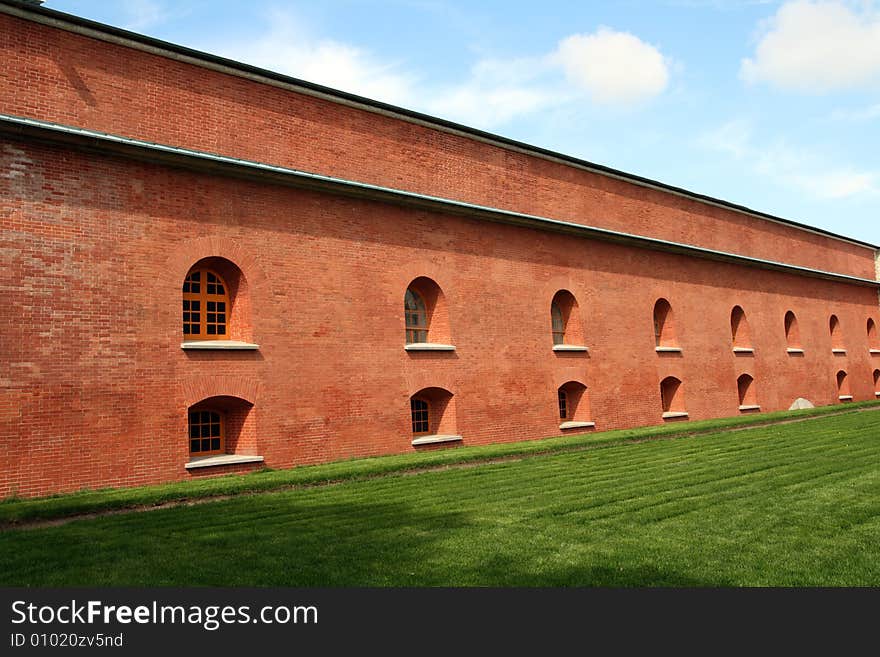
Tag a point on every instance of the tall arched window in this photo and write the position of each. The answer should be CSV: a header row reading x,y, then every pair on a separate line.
x,y
748,399
426,318
843,391
205,306
739,329
664,326
873,340
792,333
836,334
206,433
565,323
672,398
416,317
557,323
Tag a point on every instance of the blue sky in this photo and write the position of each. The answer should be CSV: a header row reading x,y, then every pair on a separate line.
x,y
770,104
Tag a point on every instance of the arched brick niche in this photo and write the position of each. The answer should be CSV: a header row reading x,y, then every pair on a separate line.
x,y
426,315
433,418
672,399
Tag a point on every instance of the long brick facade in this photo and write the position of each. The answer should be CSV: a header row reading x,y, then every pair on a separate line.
x,y
108,200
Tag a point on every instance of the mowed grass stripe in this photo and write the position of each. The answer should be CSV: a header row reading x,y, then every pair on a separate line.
x,y
794,504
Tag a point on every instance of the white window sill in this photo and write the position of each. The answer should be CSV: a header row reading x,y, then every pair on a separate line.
x,y
877,394
791,350
750,407
220,345
429,346
570,347
668,350
743,350
576,425
435,439
838,351
671,415
845,397
874,352
221,459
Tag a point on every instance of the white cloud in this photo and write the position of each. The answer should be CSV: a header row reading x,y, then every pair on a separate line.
x,y
863,114
798,168
613,67
143,14
608,67
817,47
287,48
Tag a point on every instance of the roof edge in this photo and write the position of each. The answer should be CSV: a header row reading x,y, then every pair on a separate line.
x,y
70,22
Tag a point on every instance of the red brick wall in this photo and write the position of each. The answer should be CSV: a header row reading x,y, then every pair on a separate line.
x,y
50,74
94,387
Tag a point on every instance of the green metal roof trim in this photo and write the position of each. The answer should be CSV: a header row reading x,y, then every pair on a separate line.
x,y
22,127
58,19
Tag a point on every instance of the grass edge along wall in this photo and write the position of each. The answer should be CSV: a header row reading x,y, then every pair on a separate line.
x,y
509,332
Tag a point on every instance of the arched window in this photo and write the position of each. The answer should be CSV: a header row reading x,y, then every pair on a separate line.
x,y
207,433
574,406
843,391
416,317
205,306
748,400
739,329
836,334
432,416
426,319
672,398
664,326
420,410
877,383
792,333
565,323
873,340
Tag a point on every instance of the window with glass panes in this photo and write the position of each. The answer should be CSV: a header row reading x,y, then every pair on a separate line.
x,y
419,410
563,405
416,317
205,306
206,434
558,324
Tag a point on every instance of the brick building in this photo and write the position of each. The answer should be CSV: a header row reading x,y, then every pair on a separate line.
x,y
210,267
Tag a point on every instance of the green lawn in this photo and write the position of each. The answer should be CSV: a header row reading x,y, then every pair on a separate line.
x,y
793,504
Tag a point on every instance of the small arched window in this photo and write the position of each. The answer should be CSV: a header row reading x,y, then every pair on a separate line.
x,y
843,391
664,325
574,405
207,433
432,415
205,306
873,340
739,329
836,334
792,332
672,398
748,399
416,317
420,410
